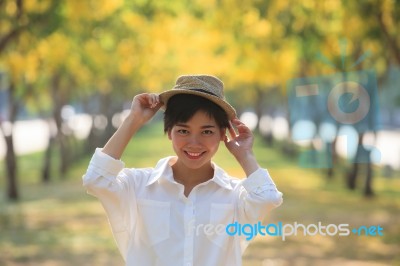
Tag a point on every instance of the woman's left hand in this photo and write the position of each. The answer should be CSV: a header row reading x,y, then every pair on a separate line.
x,y
240,144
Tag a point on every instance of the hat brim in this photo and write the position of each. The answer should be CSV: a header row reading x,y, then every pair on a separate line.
x,y
166,95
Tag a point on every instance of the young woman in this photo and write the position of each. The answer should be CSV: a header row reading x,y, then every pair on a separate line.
x,y
176,213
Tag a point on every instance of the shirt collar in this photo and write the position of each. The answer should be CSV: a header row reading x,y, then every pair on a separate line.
x,y
221,177
163,171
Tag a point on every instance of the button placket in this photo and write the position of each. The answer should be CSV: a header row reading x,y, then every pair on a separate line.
x,y
189,234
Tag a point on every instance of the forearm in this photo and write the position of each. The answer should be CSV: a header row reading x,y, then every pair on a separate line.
x,y
118,142
260,196
248,162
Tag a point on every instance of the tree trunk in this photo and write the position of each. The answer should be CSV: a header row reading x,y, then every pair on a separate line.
x,y
108,111
11,158
92,139
352,177
258,107
59,101
11,166
64,152
333,156
46,170
392,41
368,192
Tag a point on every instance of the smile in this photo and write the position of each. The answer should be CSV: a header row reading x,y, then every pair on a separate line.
x,y
194,155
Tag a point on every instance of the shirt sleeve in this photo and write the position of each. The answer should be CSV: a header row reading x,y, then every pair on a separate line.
x,y
107,180
257,196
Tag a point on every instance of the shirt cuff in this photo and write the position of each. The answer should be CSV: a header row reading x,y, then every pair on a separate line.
x,y
105,163
257,179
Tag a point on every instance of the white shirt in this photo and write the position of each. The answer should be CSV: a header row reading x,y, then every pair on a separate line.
x,y
155,224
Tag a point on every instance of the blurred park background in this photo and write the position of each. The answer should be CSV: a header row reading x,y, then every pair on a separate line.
x,y
69,69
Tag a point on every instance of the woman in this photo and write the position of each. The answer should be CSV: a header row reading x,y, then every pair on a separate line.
x,y
175,213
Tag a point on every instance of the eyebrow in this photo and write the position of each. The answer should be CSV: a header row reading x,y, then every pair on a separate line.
x,y
203,127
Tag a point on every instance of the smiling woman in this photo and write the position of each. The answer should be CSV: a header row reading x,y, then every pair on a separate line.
x,y
196,126
195,143
150,209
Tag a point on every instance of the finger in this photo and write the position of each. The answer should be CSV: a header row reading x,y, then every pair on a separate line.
x,y
238,123
153,100
231,130
157,97
142,99
159,100
231,143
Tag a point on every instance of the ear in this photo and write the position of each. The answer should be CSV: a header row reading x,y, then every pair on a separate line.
x,y
223,134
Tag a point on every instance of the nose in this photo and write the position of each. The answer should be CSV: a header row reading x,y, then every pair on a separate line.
x,y
195,140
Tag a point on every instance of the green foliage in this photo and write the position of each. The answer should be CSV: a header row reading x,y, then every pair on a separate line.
x,y
127,46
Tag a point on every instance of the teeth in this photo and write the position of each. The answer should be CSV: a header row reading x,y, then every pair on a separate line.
x,y
194,154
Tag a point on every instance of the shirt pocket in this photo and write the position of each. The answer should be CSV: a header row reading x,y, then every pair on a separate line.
x,y
220,216
155,220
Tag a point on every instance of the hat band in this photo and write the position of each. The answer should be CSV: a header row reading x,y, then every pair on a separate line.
x,y
204,91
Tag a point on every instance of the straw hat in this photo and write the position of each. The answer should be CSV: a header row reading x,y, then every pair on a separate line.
x,y
206,86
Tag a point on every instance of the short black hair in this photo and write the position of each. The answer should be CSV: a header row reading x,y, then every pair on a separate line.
x,y
182,107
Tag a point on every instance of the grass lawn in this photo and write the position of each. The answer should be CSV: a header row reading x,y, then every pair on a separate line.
x,y
59,224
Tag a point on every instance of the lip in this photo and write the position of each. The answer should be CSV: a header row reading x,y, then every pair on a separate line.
x,y
194,155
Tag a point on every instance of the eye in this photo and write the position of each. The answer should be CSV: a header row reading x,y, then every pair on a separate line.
x,y
183,131
208,132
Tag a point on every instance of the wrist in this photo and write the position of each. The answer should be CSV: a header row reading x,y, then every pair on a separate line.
x,y
133,123
248,162
244,156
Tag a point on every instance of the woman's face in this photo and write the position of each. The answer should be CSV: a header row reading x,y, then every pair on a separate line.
x,y
196,141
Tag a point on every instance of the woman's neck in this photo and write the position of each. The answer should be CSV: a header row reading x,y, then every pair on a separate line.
x,y
190,178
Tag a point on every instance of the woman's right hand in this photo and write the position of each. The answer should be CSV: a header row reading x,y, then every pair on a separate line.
x,y
145,106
